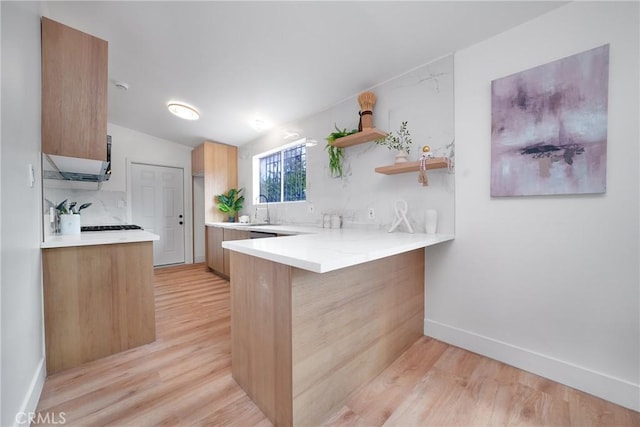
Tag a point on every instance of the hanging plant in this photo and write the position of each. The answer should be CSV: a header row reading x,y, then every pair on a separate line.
x,y
336,154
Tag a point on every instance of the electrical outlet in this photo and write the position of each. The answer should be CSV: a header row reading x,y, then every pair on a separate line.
x,y
310,208
371,214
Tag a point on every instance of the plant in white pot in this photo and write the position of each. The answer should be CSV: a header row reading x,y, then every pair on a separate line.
x,y
402,142
70,216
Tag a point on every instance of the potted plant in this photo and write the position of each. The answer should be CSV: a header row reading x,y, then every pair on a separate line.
x,y
231,202
401,142
69,216
336,155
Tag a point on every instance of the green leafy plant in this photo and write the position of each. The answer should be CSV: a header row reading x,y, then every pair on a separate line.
x,y
336,154
402,142
231,202
66,208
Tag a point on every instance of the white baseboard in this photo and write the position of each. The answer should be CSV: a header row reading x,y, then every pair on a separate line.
x,y
198,259
30,402
616,390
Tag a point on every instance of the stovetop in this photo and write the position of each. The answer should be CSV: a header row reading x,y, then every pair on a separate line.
x,y
110,227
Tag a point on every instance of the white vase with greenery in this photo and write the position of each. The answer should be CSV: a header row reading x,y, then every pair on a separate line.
x,y
400,142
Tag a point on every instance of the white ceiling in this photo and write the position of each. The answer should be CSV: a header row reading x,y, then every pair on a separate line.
x,y
278,61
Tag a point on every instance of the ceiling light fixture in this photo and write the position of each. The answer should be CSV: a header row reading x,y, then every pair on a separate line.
x,y
183,111
259,125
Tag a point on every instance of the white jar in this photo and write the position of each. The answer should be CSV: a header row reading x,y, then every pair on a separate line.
x,y
70,224
431,221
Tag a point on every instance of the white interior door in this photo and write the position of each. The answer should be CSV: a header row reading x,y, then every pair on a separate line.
x,y
157,205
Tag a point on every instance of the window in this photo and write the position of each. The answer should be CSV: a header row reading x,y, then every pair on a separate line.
x,y
281,175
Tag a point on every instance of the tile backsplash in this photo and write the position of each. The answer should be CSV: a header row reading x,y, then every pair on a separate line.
x,y
108,207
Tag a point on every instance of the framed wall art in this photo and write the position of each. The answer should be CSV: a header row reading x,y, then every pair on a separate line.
x,y
549,127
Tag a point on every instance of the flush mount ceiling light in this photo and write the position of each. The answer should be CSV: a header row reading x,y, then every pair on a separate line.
x,y
183,111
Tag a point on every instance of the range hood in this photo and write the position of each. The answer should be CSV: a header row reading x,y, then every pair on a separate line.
x,y
76,169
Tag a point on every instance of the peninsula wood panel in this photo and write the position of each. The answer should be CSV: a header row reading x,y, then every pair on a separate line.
x,y
324,334
74,92
261,333
98,300
348,326
231,234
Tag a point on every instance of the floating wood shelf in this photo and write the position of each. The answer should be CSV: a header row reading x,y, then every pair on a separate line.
x,y
435,163
358,138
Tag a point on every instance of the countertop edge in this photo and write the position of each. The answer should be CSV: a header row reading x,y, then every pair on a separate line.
x,y
98,238
340,260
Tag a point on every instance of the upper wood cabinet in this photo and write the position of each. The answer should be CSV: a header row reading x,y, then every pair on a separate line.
x,y
74,92
218,163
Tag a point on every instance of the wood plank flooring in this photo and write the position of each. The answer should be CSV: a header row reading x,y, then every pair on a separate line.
x,y
184,378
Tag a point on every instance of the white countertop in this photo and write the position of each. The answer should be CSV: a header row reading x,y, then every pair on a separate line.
x,y
89,238
322,250
268,228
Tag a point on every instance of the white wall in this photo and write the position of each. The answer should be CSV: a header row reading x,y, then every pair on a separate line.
x,y
22,363
424,98
548,284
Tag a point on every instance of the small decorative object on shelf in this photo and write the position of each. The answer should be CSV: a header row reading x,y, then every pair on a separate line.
x,y
402,142
231,202
366,100
422,173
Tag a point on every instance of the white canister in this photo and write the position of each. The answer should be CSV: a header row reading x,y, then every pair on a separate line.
x,y
336,221
431,221
70,224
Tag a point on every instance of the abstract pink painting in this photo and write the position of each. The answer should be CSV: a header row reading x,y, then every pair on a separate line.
x,y
549,127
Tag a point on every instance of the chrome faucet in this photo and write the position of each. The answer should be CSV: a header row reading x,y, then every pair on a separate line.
x,y
266,199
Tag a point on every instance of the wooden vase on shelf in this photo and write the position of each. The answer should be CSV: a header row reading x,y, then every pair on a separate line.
x,y
366,100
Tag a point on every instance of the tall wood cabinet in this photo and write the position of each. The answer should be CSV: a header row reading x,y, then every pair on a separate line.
x,y
74,92
218,164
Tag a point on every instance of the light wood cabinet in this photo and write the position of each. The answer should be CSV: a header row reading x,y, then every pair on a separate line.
x,y
74,92
214,253
197,160
218,258
98,300
218,164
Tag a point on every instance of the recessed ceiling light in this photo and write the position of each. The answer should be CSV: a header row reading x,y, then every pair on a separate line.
x,y
259,125
183,111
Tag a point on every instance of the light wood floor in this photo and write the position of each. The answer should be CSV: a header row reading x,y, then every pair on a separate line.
x,y
184,378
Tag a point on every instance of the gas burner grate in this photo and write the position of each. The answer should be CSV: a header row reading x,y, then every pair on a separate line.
x,y
110,227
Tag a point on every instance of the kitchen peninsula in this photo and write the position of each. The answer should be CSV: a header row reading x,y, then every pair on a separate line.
x,y
98,295
316,315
